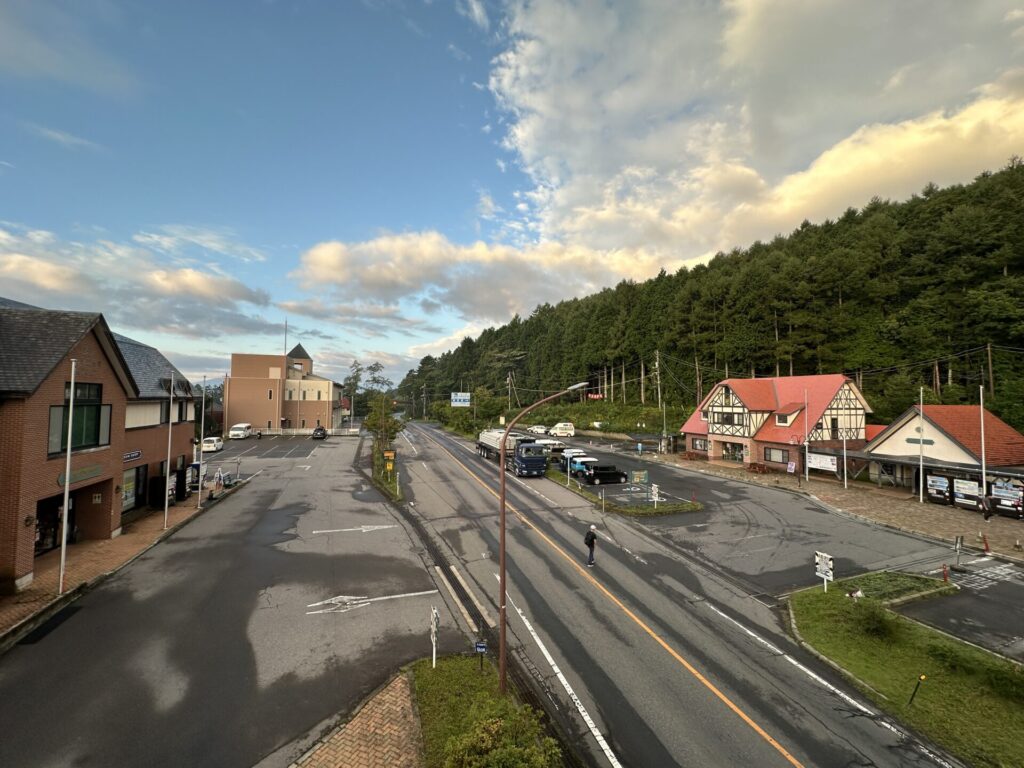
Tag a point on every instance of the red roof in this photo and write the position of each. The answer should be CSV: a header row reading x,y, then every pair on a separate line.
x,y
695,425
871,431
1004,446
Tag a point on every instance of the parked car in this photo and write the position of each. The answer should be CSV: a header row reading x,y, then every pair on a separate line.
x,y
211,444
554,448
319,433
563,429
597,474
580,465
567,455
538,429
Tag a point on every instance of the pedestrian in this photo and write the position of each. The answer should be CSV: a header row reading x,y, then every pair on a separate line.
x,y
590,540
986,507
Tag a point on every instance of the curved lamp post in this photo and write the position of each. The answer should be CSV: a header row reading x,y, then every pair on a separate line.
x,y
501,523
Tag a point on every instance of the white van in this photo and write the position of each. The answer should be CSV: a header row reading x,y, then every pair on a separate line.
x,y
240,431
563,429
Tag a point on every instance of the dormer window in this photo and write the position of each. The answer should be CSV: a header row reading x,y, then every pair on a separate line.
x,y
726,396
782,419
703,415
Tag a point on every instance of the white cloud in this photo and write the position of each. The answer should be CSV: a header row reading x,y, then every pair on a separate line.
x,y
440,346
65,139
457,53
474,11
177,238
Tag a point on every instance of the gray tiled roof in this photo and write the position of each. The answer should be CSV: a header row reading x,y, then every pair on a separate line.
x,y
298,353
34,341
150,369
12,304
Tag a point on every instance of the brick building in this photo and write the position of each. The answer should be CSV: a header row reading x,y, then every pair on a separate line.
x,y
36,350
280,393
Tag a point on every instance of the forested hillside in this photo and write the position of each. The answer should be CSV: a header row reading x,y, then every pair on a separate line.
x,y
896,295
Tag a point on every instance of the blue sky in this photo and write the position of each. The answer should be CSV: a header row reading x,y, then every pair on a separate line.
x,y
391,175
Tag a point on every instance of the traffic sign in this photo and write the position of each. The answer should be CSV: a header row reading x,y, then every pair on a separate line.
x,y
824,567
638,476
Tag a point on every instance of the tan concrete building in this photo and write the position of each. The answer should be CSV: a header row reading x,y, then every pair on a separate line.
x,y
280,394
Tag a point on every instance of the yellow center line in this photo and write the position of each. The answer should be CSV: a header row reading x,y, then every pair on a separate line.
x,y
639,622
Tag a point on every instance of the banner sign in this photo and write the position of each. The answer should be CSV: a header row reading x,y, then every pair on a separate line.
x,y
821,461
460,399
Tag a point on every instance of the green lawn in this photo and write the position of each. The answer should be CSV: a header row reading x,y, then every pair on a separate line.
x,y
971,702
466,721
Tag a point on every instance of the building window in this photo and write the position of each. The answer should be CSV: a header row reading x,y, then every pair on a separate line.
x,y
290,394
303,394
318,393
726,396
182,410
730,419
303,425
270,394
776,455
699,444
91,426
268,424
165,411
703,415
782,419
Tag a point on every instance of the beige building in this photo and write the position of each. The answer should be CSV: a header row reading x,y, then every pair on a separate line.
x,y
280,393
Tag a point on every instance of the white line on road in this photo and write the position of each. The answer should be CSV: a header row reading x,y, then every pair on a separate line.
x,y
472,596
345,603
304,467
832,689
462,608
425,465
361,529
591,725
415,450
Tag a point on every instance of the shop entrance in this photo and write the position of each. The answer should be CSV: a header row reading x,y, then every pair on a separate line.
x,y
48,522
732,452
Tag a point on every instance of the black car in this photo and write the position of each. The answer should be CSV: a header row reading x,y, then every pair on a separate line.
x,y
605,473
319,433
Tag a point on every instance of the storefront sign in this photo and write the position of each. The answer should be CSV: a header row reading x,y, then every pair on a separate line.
x,y
965,488
1007,493
938,487
131,456
821,461
82,473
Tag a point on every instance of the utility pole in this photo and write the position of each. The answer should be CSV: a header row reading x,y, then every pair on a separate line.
x,y
424,401
657,373
661,405
643,384
991,380
623,383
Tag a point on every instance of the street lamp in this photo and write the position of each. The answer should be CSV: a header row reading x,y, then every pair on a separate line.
x,y
501,523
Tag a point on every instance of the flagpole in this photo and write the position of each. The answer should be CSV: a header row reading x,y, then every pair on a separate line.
x,y
202,436
920,449
67,483
167,473
981,415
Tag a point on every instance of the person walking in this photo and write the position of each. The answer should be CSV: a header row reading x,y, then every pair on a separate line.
x,y
590,540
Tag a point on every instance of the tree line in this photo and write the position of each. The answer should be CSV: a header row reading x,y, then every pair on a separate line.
x,y
897,295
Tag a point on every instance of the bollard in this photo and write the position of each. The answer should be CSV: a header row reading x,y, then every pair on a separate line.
x,y
985,540
945,573
693,497
920,680
1017,546
978,537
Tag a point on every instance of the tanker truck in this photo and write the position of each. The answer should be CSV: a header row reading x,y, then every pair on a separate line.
x,y
523,455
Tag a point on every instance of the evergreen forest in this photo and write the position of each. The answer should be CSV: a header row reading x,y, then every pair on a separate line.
x,y
897,295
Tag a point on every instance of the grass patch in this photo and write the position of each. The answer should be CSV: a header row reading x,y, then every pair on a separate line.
x,y
971,701
630,510
466,721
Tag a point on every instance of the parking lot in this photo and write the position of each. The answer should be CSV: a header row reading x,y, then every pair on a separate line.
x,y
267,447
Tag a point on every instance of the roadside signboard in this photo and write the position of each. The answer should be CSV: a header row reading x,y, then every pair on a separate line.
x,y
824,568
821,461
791,467
389,455
461,399
638,476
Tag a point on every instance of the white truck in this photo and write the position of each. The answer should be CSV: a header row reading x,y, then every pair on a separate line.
x,y
523,455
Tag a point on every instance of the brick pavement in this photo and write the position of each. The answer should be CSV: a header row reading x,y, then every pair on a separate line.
x,y
385,733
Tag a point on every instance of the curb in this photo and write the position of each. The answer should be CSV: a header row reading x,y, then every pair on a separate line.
x,y
12,636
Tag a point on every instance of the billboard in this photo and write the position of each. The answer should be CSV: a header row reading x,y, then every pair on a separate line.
x,y
460,400
821,461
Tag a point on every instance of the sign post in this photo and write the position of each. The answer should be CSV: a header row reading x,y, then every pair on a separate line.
x,y
481,649
435,621
958,545
654,491
824,568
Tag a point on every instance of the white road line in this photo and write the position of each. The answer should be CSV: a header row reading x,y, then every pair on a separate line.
x,y
462,608
472,596
415,450
425,465
591,725
345,603
361,529
832,689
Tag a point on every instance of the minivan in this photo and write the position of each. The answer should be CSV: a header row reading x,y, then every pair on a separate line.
x,y
563,429
240,431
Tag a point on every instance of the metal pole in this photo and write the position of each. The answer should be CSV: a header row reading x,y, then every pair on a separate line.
x,y
981,415
167,472
202,435
807,444
502,622
844,463
67,483
920,448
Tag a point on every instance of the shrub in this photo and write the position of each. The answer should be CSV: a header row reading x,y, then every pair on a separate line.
x,y
874,619
503,736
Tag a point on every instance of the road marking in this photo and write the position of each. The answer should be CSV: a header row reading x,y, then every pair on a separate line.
x,y
415,451
361,529
462,608
591,725
425,465
472,596
582,571
345,603
832,689
304,467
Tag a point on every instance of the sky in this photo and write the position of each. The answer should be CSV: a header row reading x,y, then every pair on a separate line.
x,y
389,177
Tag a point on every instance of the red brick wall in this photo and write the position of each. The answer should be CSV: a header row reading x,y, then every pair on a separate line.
x,y
24,431
152,441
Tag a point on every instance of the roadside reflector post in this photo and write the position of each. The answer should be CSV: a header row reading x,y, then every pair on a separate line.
x,y
920,680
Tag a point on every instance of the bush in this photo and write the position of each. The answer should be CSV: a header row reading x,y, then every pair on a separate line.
x,y
503,736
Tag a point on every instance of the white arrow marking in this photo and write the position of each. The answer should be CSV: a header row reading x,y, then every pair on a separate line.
x,y
304,467
361,529
344,603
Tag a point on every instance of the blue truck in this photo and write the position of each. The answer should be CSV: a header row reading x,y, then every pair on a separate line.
x,y
523,455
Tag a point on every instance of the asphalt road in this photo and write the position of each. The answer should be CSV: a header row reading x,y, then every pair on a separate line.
x,y
209,650
765,539
673,662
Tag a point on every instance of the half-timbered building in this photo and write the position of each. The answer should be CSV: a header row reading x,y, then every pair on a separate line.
x,y
767,421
